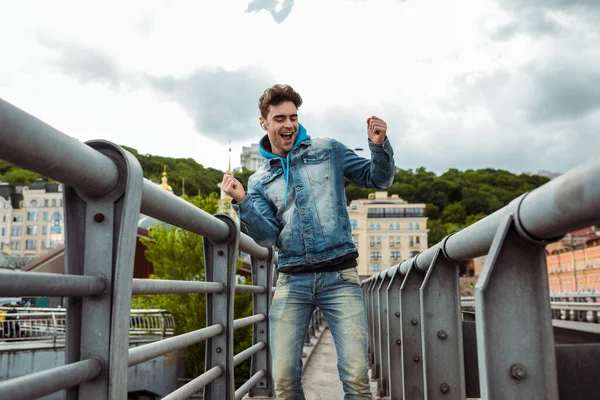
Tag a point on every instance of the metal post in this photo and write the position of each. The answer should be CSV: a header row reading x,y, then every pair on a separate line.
x,y
100,241
412,367
441,330
384,381
515,342
368,289
393,322
220,259
262,269
376,371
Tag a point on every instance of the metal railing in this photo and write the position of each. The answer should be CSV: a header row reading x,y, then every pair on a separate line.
x,y
423,346
26,323
104,194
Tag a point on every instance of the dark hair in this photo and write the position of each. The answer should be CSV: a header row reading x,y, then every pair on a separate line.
x,y
276,95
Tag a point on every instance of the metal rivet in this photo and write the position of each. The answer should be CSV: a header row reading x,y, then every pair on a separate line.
x,y
413,321
416,359
261,266
99,217
218,350
397,314
443,335
398,342
518,371
262,331
444,388
220,252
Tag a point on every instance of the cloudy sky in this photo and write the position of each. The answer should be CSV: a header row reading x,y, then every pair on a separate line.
x,y
503,84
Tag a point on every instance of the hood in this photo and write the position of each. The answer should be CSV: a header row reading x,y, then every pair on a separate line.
x,y
264,148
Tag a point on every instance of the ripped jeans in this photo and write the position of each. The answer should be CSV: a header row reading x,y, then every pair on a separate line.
x,y
340,298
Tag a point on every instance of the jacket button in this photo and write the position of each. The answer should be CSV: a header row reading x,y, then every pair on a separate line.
x,y
298,187
302,210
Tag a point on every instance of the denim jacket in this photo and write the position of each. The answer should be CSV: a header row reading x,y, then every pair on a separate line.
x,y
307,219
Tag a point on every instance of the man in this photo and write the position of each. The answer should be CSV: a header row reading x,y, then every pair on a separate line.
x,y
297,202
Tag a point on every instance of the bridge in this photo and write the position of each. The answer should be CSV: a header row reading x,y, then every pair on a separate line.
x,y
425,341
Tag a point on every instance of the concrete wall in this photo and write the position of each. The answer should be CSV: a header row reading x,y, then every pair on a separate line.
x,y
158,375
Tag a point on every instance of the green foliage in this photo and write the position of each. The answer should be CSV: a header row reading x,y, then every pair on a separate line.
x,y
198,179
17,176
436,232
179,255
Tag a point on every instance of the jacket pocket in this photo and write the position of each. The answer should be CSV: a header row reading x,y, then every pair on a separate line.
x,y
318,167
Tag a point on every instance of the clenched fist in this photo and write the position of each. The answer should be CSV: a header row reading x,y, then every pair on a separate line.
x,y
233,188
376,129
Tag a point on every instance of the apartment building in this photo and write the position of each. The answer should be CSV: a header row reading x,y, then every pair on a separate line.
x,y
251,158
31,218
386,230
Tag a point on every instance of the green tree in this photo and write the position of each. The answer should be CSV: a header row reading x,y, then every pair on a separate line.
x,y
177,254
455,213
436,232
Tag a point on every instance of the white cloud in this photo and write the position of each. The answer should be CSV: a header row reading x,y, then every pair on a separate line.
x,y
465,84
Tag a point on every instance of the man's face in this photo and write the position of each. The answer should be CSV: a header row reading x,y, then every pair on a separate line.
x,y
282,127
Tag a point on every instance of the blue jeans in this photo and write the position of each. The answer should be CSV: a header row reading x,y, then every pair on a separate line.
x,y
340,298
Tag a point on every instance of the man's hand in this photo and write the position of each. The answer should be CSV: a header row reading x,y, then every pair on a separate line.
x,y
233,188
376,129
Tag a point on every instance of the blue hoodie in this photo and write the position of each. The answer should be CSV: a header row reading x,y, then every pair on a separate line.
x,y
285,162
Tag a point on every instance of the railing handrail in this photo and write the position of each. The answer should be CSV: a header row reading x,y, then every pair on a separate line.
x,y
25,140
104,183
547,213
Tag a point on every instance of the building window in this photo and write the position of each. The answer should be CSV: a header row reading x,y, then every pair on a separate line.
x,y
378,239
30,244
354,224
53,202
44,230
56,226
417,226
397,226
16,231
3,231
372,240
371,226
46,203
376,213
397,239
33,204
375,255
18,218
4,218
15,246
415,212
378,226
43,244
391,241
46,216
354,239
391,226
418,239
32,230
413,253
410,241
1,246
395,254
374,268
410,226
32,216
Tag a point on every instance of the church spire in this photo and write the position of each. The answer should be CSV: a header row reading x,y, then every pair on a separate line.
x,y
229,166
164,183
